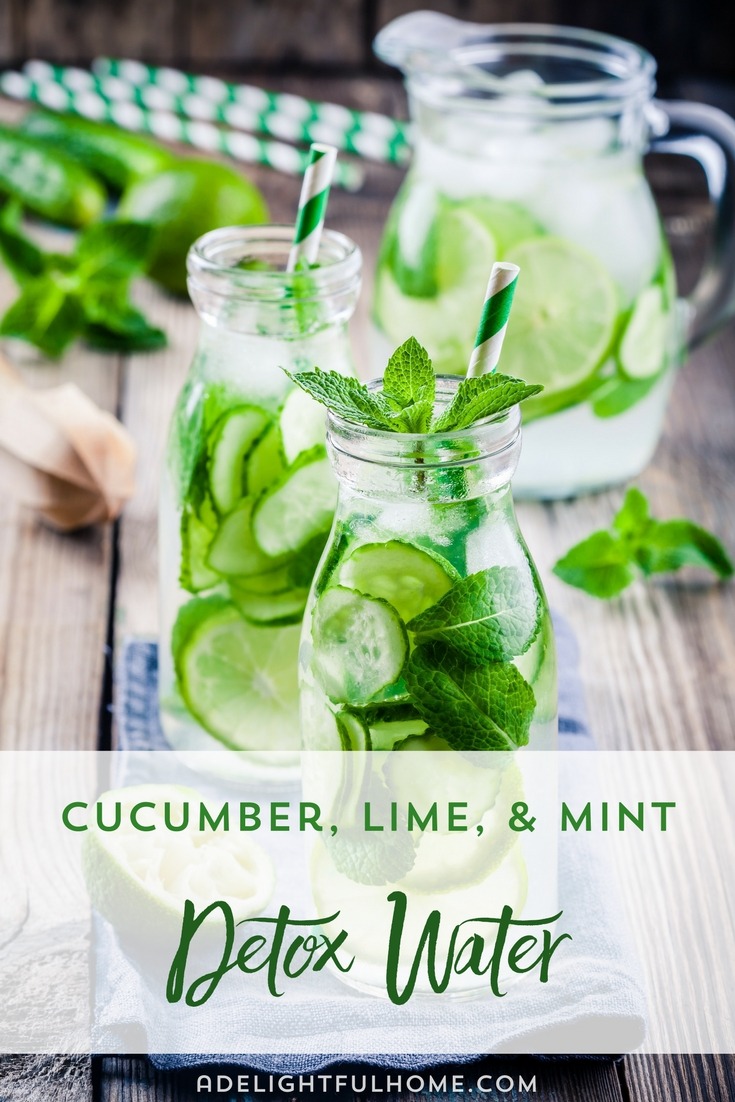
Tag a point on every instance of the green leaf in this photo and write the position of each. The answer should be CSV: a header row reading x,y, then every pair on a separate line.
x,y
409,376
114,250
488,708
600,565
634,516
415,418
45,315
490,616
114,323
672,544
346,397
21,256
481,397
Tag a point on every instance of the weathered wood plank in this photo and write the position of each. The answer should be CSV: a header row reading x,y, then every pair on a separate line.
x,y
680,1078
74,31
286,32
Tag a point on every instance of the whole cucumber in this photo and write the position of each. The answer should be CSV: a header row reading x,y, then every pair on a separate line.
x,y
119,157
47,182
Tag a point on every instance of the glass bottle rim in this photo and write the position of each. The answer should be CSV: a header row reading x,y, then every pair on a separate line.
x,y
213,259
491,438
612,71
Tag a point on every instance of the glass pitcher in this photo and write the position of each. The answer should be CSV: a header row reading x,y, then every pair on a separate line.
x,y
528,147
428,653
248,493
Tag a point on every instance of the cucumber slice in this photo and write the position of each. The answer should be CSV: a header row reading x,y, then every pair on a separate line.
x,y
274,582
229,442
271,608
642,352
196,538
234,550
266,462
390,723
410,578
353,732
360,645
239,680
298,507
303,424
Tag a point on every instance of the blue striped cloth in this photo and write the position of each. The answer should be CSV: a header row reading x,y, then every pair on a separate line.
x,y
615,998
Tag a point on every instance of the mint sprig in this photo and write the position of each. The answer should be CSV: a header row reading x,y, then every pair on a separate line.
x,y
637,546
86,293
406,401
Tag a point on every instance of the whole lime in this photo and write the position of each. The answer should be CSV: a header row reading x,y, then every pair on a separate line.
x,y
184,202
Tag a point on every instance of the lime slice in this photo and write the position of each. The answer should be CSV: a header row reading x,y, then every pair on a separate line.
x,y
642,352
509,223
139,880
453,777
298,506
465,251
360,645
239,680
234,551
303,424
411,240
229,442
186,201
365,912
564,315
409,578
450,861
445,324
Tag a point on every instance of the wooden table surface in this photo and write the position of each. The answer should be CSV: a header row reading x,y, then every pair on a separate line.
x,y
658,664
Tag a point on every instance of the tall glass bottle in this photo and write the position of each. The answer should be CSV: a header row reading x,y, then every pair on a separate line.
x,y
248,494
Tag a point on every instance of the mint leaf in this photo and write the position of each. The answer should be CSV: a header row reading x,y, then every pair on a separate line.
x,y
21,256
115,250
488,708
607,562
485,396
45,315
346,397
409,377
600,565
115,324
633,519
490,616
671,544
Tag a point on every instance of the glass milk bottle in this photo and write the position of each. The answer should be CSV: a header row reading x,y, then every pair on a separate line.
x,y
427,645
248,493
528,146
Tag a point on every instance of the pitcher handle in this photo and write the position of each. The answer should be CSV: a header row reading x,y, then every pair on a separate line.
x,y
707,135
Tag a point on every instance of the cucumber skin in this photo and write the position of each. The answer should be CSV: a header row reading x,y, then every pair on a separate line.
x,y
78,197
119,157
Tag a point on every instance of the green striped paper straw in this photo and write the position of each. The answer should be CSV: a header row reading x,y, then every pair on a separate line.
x,y
359,130
160,124
494,319
312,205
241,116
